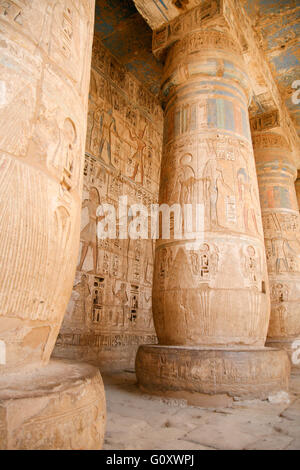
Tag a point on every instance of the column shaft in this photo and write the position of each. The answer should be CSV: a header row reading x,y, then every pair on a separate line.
x,y
211,300
208,159
281,221
45,49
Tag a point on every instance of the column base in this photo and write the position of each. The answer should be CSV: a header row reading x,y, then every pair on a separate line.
x,y
240,372
291,346
58,407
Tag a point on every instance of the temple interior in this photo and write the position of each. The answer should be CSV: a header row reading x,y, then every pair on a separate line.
x,y
187,339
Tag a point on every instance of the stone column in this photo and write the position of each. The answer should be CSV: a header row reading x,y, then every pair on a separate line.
x,y
281,221
297,186
211,294
45,52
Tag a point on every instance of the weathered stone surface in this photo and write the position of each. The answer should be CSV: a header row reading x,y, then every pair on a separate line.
x,y
172,424
281,221
58,407
46,52
237,372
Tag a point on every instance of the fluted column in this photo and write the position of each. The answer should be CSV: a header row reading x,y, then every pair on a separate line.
x,y
281,220
45,50
210,291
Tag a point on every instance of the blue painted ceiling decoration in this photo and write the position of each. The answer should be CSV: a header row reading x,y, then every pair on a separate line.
x,y
128,37
277,23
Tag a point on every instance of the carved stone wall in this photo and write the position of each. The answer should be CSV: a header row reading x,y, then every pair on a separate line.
x,y
110,311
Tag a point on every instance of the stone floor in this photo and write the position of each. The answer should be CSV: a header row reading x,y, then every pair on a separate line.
x,y
136,421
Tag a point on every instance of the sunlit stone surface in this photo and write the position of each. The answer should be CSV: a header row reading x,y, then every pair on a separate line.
x,y
45,70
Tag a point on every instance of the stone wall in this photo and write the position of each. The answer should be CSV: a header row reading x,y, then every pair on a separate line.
x,y
110,311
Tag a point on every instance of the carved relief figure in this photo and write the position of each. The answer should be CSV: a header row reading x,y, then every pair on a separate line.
x,y
98,299
122,297
82,300
213,177
138,156
89,233
246,198
185,180
104,127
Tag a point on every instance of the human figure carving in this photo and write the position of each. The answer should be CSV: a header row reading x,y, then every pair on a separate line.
x,y
105,125
82,298
213,177
185,180
122,296
246,198
138,156
89,233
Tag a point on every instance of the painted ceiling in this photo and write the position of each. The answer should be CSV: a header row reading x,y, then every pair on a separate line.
x,y
277,23
126,34
128,37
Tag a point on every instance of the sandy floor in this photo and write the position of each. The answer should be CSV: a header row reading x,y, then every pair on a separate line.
x,y
138,421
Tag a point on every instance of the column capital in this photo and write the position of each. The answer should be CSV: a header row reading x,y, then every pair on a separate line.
x,y
273,153
175,20
204,16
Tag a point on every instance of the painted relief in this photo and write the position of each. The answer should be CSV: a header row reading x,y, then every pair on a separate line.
x,y
281,222
110,312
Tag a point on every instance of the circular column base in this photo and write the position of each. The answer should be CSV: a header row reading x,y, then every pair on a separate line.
x,y
57,407
291,346
243,372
